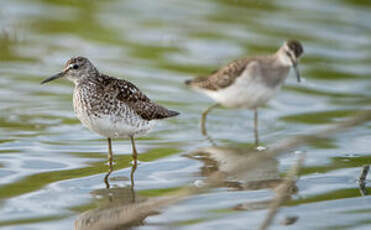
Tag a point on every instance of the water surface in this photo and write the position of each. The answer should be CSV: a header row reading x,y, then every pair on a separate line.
x,y
52,169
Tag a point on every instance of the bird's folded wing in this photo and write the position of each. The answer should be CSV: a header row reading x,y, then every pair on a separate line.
x,y
221,78
129,94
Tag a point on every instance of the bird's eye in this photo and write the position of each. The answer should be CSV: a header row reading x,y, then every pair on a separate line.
x,y
75,66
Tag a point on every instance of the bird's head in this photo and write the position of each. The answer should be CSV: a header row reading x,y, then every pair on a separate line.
x,y
290,54
75,69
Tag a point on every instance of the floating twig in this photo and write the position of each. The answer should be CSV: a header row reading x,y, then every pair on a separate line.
x,y
362,180
282,193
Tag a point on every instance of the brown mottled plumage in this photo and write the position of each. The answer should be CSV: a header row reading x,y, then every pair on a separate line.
x,y
249,82
109,106
126,92
221,78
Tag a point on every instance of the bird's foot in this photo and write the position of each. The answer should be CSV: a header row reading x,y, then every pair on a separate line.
x,y
261,148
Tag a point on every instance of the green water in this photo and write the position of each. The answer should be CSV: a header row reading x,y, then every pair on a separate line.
x,y
52,169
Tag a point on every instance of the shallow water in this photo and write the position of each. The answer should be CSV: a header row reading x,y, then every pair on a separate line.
x,y
52,169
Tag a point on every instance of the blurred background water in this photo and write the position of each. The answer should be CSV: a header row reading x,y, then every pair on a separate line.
x,y
52,169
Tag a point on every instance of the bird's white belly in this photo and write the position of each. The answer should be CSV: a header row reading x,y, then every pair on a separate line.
x,y
122,124
110,126
244,93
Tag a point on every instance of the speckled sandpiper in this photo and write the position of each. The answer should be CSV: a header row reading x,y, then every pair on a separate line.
x,y
249,82
111,107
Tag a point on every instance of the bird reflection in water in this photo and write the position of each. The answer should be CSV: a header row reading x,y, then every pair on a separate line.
x,y
132,172
225,165
118,208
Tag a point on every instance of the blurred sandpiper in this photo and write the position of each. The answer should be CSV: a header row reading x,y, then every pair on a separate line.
x,y
249,82
111,107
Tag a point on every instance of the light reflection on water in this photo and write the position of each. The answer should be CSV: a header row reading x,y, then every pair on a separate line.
x,y
51,166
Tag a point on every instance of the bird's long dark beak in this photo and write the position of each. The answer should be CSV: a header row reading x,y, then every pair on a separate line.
x,y
297,72
296,69
56,76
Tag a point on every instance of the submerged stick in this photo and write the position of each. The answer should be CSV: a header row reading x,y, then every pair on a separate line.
x,y
362,180
288,144
282,193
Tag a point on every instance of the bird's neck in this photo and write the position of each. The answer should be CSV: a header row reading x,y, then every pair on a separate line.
x,y
274,71
91,77
281,59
